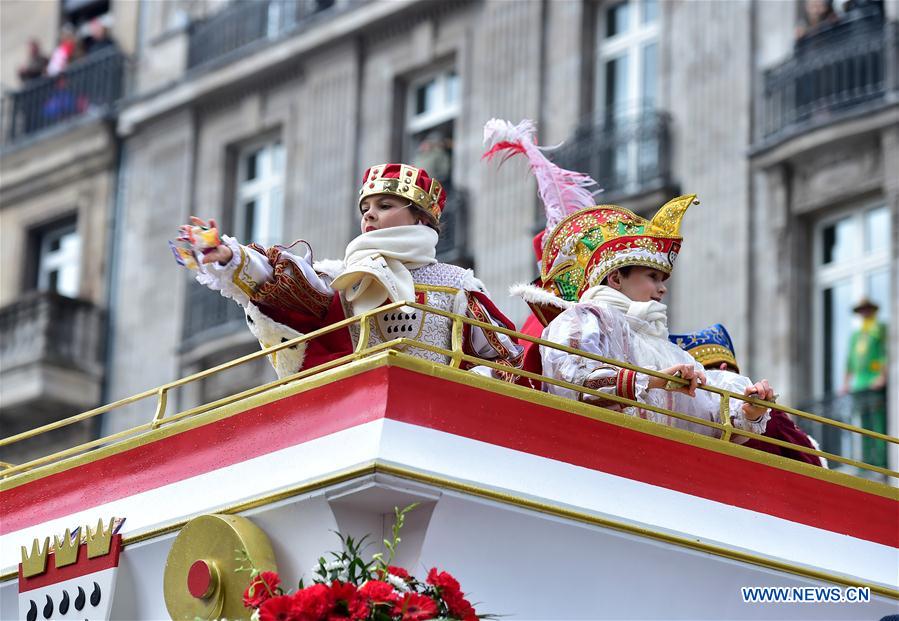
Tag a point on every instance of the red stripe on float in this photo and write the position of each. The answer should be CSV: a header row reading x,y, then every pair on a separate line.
x,y
258,431
466,411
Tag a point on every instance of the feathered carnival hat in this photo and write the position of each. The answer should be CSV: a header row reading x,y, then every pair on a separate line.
x,y
710,346
413,184
584,242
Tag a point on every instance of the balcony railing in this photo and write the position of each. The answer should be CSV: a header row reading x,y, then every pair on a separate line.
x,y
245,23
831,73
454,358
45,327
865,409
92,83
628,152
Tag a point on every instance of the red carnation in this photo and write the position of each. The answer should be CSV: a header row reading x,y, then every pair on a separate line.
x,y
399,572
347,602
415,607
278,608
263,587
378,592
444,582
312,603
459,607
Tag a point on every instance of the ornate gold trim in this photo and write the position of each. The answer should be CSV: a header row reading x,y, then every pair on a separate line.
x,y
248,287
438,289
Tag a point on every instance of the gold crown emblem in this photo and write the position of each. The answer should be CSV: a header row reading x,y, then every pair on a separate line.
x,y
98,540
36,562
65,550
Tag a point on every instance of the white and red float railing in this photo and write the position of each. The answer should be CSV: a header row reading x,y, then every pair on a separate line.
x,y
456,356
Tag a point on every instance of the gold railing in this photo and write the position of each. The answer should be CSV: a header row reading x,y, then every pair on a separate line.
x,y
455,357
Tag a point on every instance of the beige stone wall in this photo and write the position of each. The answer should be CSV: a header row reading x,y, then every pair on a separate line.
x,y
149,290
71,174
707,93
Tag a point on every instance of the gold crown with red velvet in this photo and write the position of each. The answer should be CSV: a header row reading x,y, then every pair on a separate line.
x,y
409,182
590,243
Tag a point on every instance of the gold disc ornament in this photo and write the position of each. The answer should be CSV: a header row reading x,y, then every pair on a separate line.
x,y
201,580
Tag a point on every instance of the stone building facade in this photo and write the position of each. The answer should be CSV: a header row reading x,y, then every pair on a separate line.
x,y
264,114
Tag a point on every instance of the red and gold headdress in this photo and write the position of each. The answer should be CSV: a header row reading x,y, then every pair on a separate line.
x,y
409,182
583,242
587,245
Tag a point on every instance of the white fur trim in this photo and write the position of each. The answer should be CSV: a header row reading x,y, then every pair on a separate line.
x,y
817,447
329,267
470,283
269,332
536,295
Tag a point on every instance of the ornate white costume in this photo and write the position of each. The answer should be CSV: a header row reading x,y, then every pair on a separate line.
x,y
604,329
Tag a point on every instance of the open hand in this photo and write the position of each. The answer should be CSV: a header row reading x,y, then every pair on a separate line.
x,y
204,238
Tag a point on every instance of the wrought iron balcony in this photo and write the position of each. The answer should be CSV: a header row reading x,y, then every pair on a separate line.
x,y
839,70
245,23
92,83
628,153
51,356
209,316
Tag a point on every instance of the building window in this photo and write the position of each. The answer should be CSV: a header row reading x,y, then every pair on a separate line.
x,y
627,56
259,196
852,261
58,258
432,107
78,12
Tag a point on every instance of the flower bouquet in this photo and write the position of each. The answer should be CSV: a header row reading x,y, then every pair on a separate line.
x,y
348,587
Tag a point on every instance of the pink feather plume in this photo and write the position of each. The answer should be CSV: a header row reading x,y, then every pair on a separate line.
x,y
562,191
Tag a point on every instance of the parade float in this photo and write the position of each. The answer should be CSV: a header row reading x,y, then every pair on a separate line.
x,y
541,507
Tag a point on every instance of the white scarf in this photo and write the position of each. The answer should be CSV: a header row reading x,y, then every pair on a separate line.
x,y
377,265
648,317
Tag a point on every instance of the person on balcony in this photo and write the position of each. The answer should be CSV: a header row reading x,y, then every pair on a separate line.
x,y
286,294
818,15
603,273
67,50
99,38
36,65
713,348
866,378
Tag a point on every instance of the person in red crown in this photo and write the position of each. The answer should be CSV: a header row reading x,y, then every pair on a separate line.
x,y
285,294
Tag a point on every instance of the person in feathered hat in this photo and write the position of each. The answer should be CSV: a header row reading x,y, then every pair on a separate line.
x,y
602,278
285,293
713,348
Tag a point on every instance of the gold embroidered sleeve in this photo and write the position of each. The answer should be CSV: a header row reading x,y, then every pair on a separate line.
x,y
289,289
